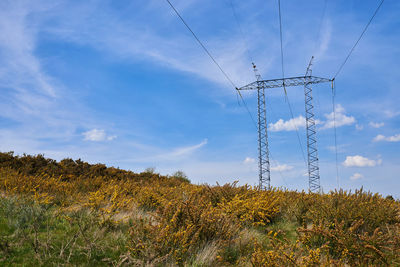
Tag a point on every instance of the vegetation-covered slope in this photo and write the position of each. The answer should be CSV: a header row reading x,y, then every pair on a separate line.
x,y
73,213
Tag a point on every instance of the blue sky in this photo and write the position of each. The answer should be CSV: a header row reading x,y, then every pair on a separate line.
x,y
124,83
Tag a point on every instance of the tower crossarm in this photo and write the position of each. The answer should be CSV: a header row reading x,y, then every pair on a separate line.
x,y
293,81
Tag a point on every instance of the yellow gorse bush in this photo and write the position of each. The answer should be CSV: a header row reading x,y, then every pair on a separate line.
x,y
253,207
171,220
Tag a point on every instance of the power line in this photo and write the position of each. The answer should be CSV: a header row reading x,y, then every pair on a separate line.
x,y
212,58
297,130
241,30
248,54
280,34
334,127
359,38
201,44
279,171
320,25
284,87
247,108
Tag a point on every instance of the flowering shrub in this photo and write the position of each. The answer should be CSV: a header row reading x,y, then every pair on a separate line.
x,y
253,207
168,221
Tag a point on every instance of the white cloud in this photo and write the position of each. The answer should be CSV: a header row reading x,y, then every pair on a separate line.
x,y
341,119
391,113
187,150
394,138
360,161
175,154
356,176
359,127
281,168
134,40
340,148
324,40
376,124
23,70
97,135
289,125
249,160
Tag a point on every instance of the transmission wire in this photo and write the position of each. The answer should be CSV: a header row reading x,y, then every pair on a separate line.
x,y
248,54
297,130
320,25
321,20
359,38
213,59
280,35
252,61
201,44
241,31
247,108
279,171
334,126
284,87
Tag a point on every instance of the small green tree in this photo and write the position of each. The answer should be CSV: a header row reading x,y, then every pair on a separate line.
x,y
150,170
180,175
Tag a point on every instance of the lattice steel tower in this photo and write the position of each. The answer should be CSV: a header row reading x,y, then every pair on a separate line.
x,y
263,152
264,174
312,152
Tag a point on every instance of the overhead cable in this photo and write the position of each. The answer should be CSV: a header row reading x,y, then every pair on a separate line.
x,y
241,30
320,26
280,34
334,127
297,130
284,87
213,59
202,45
359,38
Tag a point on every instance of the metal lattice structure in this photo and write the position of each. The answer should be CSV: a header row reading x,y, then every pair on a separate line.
x,y
264,174
276,83
263,151
312,152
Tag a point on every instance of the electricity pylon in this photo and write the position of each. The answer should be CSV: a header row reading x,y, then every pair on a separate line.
x,y
263,151
312,152
264,174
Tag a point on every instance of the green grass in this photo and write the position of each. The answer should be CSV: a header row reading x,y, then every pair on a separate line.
x,y
42,235
33,235
286,227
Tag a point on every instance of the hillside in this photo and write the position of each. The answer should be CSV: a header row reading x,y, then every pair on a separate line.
x,y
72,213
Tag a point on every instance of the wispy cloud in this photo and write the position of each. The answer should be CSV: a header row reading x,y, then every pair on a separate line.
x,y
340,148
391,113
324,40
176,154
356,176
281,168
127,39
97,135
182,151
23,71
394,138
376,124
359,127
249,160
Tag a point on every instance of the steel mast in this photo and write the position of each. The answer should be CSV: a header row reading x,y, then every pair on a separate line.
x,y
264,174
312,152
263,151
